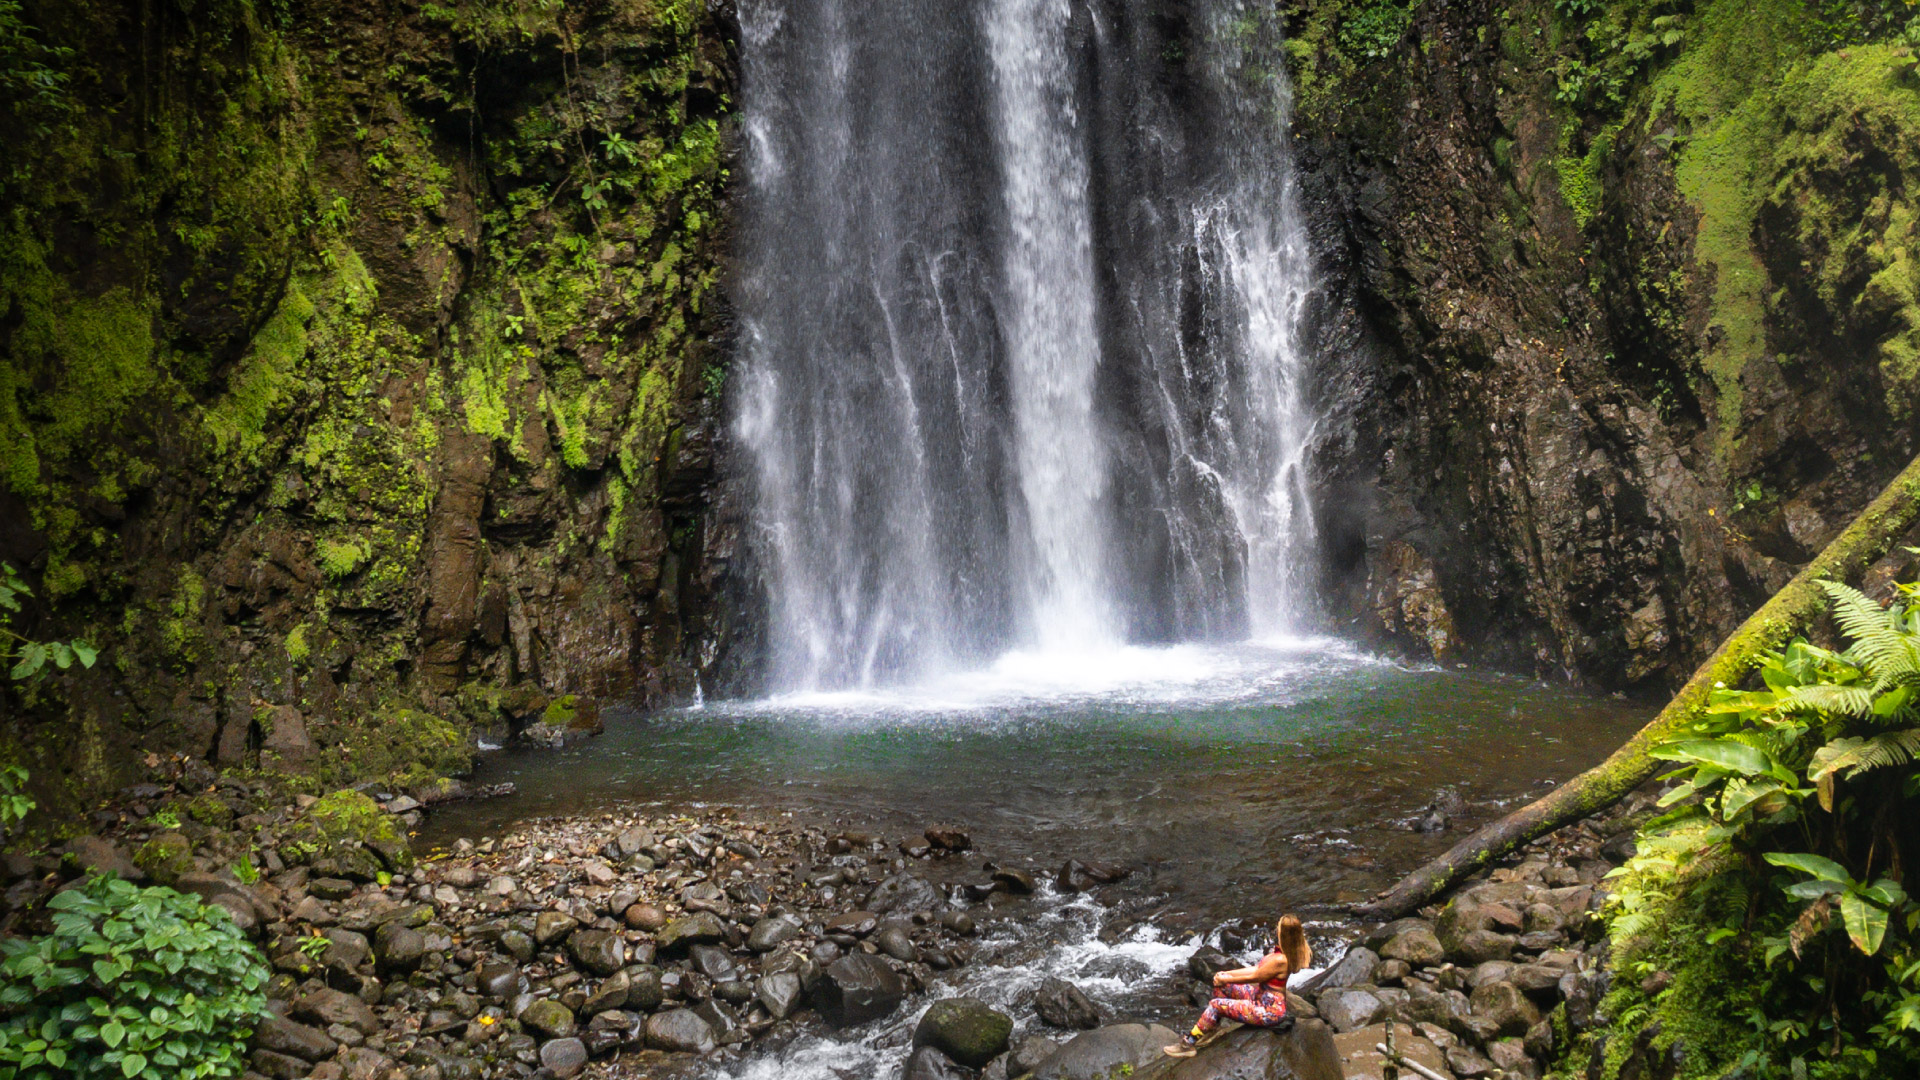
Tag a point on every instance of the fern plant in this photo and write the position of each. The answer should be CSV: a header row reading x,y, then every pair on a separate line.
x,y
1777,868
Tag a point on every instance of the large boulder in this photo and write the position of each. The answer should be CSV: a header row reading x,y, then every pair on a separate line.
x,y
350,837
1505,1007
1349,1009
1418,947
1097,1054
1361,1061
103,856
1062,1005
1353,969
857,988
1305,1051
964,1029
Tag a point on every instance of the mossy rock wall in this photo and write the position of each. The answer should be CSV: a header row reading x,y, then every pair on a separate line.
x,y
356,358
1618,313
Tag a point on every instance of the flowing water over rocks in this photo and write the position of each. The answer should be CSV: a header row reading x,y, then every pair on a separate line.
x,y
1018,294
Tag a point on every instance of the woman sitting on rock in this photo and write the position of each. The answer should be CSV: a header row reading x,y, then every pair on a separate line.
x,y
1255,996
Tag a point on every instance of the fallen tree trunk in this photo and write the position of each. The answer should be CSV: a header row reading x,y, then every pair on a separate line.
x,y
1790,610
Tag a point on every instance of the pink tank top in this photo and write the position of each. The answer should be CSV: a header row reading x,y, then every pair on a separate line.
x,y
1279,984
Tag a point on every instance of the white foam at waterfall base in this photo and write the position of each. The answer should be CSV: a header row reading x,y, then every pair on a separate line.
x,y
1271,669
1116,975
1108,973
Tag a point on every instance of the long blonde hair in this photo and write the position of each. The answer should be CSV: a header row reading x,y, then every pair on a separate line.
x,y
1293,944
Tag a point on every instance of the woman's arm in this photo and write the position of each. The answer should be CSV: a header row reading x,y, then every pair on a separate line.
x,y
1271,966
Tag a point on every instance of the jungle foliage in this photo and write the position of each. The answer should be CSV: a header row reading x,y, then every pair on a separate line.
x,y
1772,894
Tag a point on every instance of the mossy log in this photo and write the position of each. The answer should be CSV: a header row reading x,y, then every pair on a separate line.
x,y
1790,611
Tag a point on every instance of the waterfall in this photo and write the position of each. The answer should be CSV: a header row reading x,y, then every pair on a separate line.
x,y
1018,292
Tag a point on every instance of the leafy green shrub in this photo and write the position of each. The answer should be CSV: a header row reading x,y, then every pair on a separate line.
x,y
1374,30
131,982
1772,895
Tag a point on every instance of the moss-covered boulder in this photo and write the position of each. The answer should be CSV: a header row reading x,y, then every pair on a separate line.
x,y
347,835
165,857
966,1030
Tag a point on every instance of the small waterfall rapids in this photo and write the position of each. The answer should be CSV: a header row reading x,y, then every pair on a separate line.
x,y
1018,366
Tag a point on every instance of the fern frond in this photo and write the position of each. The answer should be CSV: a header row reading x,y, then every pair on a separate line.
x,y
1861,755
1882,643
1845,700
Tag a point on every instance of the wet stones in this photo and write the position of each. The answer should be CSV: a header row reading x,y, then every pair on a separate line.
x,y
894,940
549,1018
283,1036
1061,1004
1076,876
858,988
778,993
770,933
948,838
965,1030
552,927
713,962
700,928
905,893
598,951
1354,969
679,1031
611,994
397,947
563,1057
645,917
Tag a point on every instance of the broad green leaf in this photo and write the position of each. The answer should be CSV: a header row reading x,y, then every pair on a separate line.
x,y
1822,868
1725,754
1866,922
112,1032
1741,794
132,1064
1886,892
86,653
1892,701
1814,890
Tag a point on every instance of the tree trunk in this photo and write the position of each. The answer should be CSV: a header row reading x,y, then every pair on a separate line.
x,y
1870,536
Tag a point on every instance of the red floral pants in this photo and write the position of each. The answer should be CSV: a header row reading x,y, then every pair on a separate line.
x,y
1251,1004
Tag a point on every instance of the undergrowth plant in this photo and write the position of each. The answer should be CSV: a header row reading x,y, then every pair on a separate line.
x,y
1764,924
131,982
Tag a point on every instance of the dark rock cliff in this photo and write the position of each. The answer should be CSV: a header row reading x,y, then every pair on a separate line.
x,y
360,371
1617,315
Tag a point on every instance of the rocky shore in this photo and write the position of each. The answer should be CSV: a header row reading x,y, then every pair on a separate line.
x,y
626,945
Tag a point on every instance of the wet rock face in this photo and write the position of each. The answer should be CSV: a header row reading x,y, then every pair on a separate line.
x,y
336,503
1544,449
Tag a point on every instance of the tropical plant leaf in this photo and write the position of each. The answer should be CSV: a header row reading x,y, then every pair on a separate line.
x,y
1866,922
1844,700
1812,865
1733,757
1858,755
1741,794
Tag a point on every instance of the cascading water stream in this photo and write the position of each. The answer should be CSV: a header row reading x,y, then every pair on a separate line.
x,y
1019,290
